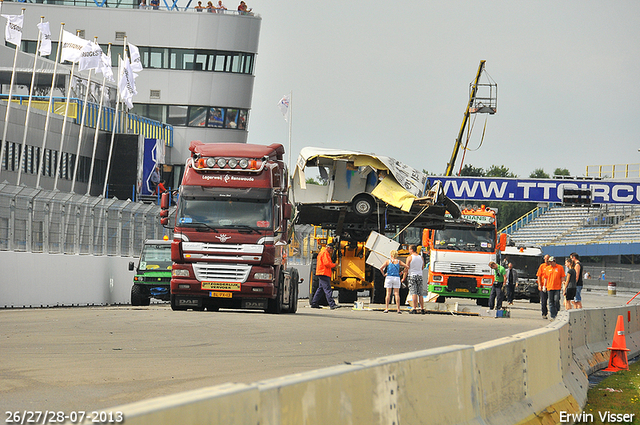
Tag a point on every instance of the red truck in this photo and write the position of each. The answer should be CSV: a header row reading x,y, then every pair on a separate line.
x,y
231,230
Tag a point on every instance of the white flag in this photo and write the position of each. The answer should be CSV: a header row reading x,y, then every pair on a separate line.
x,y
71,47
284,106
126,83
105,67
13,30
136,63
90,56
45,39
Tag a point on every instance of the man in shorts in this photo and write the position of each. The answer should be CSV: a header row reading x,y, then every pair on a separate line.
x,y
413,274
577,300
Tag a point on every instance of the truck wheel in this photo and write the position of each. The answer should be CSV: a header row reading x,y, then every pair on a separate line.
x,y
347,296
274,306
363,204
174,306
482,302
379,293
442,299
293,299
139,296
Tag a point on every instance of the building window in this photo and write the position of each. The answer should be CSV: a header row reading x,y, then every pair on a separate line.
x,y
177,115
216,117
195,116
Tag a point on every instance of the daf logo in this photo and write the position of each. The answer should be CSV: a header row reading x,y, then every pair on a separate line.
x,y
223,238
226,178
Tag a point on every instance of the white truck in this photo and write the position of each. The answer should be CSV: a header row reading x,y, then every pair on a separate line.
x,y
526,260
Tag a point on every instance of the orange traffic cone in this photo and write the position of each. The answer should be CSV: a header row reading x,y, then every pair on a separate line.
x,y
618,357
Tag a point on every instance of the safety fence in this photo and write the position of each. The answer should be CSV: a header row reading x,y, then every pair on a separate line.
x,y
37,220
536,377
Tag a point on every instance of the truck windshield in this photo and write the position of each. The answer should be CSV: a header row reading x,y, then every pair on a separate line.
x,y
156,257
218,213
526,265
466,239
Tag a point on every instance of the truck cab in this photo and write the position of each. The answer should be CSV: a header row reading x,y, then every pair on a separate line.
x,y
231,230
153,273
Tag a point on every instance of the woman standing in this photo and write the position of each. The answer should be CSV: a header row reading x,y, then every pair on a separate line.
x,y
392,279
569,284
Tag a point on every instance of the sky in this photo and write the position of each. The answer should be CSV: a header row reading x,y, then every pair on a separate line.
x,y
392,78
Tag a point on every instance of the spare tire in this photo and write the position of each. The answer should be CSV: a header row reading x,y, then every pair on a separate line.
x,y
363,204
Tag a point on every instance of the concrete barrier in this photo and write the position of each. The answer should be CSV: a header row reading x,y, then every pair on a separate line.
x,y
529,378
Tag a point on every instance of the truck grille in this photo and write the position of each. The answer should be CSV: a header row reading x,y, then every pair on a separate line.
x,y
462,268
221,272
155,279
217,248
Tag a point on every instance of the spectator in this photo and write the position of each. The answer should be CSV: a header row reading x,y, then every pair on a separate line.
x,y
392,279
220,7
554,275
569,284
154,178
142,4
243,9
199,7
577,301
497,296
512,282
323,271
415,264
155,4
602,275
542,286
210,7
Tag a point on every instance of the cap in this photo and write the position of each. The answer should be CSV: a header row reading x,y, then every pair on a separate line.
x,y
552,259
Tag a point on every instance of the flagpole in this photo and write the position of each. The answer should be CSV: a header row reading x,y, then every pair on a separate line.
x,y
84,114
46,122
64,123
290,124
113,133
26,119
95,136
6,115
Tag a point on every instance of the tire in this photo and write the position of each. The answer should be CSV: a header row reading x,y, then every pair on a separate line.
x,y
346,296
363,204
274,305
293,298
174,307
379,293
441,299
139,296
482,302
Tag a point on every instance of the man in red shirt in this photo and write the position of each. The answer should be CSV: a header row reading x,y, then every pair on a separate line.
x,y
554,274
542,286
323,271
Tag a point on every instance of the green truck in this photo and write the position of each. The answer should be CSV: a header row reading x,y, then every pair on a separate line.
x,y
153,274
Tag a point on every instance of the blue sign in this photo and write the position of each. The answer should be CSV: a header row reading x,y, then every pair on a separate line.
x,y
538,190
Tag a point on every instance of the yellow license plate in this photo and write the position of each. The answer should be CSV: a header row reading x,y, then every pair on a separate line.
x,y
462,290
221,294
221,286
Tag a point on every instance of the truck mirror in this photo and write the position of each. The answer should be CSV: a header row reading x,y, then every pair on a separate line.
x,y
164,221
426,237
164,213
131,266
286,211
165,200
503,241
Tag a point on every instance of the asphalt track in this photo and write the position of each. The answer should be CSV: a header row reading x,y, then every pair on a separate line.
x,y
88,358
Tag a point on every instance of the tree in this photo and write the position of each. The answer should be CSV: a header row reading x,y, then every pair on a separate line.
x,y
470,170
311,180
561,172
538,173
499,171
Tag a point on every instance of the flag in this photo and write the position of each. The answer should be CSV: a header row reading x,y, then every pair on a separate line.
x,y
71,47
13,30
284,106
126,83
90,56
136,63
45,39
105,67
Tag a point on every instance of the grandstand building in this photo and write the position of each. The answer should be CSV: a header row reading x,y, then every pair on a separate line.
x,y
197,84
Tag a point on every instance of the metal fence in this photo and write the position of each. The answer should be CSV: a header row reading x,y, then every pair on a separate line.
x,y
38,220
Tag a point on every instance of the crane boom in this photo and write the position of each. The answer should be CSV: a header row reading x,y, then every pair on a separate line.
x,y
472,97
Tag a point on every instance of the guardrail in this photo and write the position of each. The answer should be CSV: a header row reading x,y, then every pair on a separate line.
x,y
530,378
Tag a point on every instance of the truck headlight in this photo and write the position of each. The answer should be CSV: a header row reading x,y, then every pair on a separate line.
x,y
263,276
486,281
437,278
180,273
